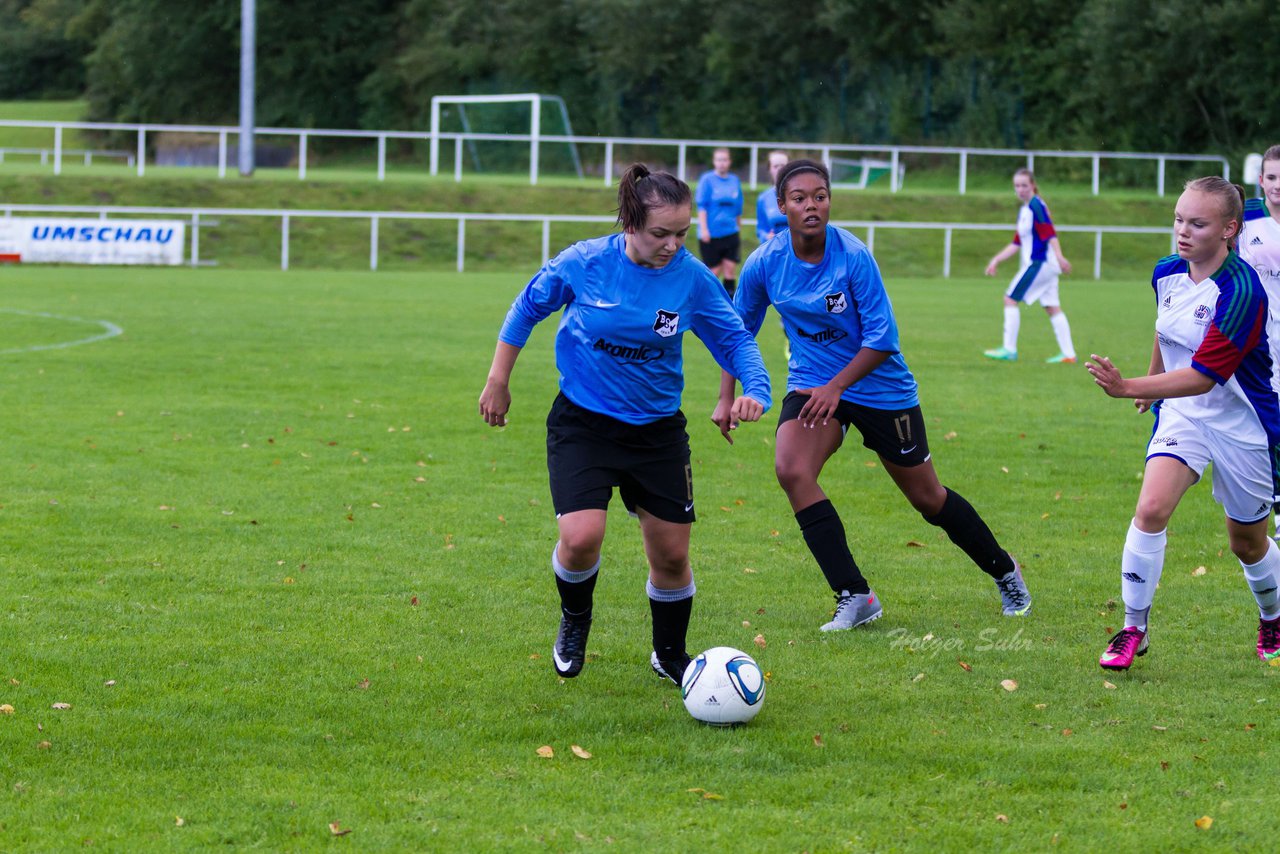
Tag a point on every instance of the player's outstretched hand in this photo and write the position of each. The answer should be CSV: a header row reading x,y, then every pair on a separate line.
x,y
1106,375
1065,265
820,406
991,267
495,401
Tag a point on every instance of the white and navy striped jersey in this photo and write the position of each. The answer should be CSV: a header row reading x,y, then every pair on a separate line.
x,y
1219,328
1260,246
1034,231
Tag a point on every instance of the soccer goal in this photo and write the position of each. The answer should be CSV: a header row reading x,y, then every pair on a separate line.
x,y
534,101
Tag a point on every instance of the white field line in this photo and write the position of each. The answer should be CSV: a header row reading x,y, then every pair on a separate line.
x,y
110,330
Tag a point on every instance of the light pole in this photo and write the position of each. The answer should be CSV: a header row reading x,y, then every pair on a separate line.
x,y
248,15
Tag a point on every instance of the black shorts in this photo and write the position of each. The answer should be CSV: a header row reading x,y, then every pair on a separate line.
x,y
896,435
588,454
717,249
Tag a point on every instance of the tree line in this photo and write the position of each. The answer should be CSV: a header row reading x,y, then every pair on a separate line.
x,y
1149,75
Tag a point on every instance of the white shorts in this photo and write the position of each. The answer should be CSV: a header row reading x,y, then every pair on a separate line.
x,y
1243,482
1038,281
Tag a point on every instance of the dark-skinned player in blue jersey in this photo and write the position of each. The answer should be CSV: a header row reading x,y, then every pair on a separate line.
x,y
845,370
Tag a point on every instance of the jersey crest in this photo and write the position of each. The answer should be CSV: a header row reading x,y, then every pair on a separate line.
x,y
667,324
836,303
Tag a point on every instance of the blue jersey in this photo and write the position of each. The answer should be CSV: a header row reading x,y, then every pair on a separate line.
x,y
768,216
618,348
831,310
721,198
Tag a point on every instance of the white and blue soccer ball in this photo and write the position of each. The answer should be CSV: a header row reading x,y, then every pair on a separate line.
x,y
723,686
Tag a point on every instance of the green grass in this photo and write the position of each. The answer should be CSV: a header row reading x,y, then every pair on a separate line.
x,y
270,515
38,111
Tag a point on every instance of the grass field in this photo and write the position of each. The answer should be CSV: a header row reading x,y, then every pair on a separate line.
x,y
265,548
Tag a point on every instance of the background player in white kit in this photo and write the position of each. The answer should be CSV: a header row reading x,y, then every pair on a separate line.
x,y
1260,246
1037,277
1209,385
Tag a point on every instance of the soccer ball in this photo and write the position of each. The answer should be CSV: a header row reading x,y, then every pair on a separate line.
x,y
722,687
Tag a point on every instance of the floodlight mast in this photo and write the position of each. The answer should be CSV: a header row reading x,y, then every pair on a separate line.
x,y
248,15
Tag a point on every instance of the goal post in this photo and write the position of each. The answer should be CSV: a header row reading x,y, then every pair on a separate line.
x,y
533,99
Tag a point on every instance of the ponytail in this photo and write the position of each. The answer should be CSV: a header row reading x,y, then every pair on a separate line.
x,y
640,191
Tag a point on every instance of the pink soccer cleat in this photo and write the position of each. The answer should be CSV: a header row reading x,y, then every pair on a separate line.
x,y
1126,645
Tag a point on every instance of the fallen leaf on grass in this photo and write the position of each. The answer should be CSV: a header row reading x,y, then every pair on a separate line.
x,y
179,821
1002,818
1041,706
746,624
337,829
1204,822
917,677
60,706
1067,733
1004,469
1108,685
950,436
6,709
1248,727
746,570
712,796
1009,685
44,745
817,740
1164,766
414,601
109,683
759,641
1159,728
965,666
546,752
914,544
363,684
696,791
579,752
1199,570
870,464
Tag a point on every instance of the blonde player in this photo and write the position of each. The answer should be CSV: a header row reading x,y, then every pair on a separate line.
x,y
1209,385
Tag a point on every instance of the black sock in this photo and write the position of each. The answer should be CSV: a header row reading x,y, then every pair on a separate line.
x,y
824,535
576,597
967,530
670,627
730,285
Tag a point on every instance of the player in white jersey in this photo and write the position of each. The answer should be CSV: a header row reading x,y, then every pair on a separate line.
x,y
1037,278
1209,385
1260,246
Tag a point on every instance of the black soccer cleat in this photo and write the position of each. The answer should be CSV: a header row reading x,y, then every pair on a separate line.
x,y
570,650
673,670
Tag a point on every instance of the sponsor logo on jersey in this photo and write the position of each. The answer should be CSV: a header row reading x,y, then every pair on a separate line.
x,y
836,303
1257,241
637,355
1167,441
1168,301
667,324
824,337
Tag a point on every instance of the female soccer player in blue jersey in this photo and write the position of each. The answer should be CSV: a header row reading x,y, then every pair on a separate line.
x,y
719,202
1209,385
1037,278
628,299
769,217
846,369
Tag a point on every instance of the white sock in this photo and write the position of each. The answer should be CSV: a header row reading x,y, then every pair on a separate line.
x,y
1262,577
1062,331
1012,320
1140,573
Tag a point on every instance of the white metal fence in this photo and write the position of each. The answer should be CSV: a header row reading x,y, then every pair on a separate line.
x,y
681,148
195,216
